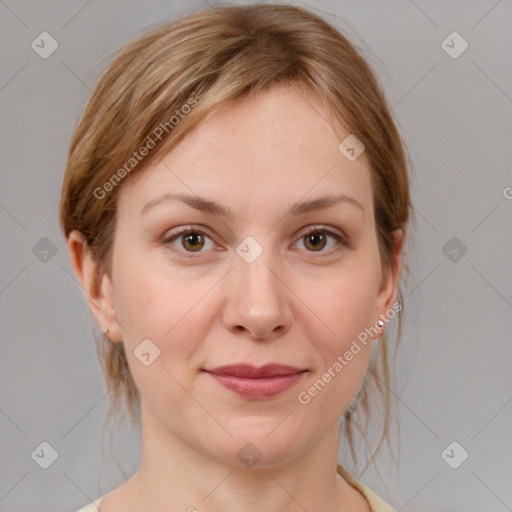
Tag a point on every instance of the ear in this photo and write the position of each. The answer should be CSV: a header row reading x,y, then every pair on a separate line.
x,y
389,284
97,286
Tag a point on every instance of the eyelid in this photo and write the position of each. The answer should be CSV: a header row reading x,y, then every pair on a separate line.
x,y
340,237
175,235
323,228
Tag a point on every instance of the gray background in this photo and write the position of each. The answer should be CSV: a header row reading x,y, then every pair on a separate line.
x,y
454,374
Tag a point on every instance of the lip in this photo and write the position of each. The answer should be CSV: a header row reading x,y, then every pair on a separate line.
x,y
251,382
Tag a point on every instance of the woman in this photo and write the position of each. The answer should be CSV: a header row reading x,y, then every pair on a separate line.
x,y
236,203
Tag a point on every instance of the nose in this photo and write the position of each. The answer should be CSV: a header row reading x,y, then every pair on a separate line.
x,y
257,300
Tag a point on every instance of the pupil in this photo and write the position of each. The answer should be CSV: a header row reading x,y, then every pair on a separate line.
x,y
195,238
316,238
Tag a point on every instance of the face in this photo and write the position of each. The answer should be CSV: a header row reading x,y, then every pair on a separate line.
x,y
257,281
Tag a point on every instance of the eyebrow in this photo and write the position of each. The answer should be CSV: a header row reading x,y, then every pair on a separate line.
x,y
211,207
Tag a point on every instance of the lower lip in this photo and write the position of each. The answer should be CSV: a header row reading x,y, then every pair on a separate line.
x,y
265,387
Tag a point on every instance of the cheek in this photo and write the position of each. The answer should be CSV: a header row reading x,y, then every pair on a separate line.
x,y
343,309
343,353
140,294
142,288
155,304
157,301
345,305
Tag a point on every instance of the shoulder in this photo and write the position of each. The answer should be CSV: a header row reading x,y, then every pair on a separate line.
x,y
377,504
92,507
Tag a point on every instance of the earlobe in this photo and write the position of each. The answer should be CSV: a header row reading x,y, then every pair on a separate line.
x,y
96,285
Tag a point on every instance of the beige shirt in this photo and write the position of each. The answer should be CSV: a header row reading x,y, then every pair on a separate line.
x,y
376,503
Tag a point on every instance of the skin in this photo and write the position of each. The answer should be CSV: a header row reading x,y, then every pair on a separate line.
x,y
293,305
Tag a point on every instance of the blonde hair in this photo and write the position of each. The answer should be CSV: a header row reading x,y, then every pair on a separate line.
x,y
206,60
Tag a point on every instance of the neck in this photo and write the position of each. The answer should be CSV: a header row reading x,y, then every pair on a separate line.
x,y
173,473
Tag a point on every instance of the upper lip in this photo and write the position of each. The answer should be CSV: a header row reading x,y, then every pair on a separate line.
x,y
248,371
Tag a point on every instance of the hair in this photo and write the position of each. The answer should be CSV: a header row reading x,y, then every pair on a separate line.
x,y
208,59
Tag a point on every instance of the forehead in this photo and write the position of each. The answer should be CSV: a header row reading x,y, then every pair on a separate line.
x,y
273,147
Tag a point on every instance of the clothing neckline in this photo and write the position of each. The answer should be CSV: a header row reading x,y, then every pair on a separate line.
x,y
373,499
377,504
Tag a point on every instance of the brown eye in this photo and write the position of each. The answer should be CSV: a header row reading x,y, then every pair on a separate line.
x,y
193,241
315,240
318,238
188,242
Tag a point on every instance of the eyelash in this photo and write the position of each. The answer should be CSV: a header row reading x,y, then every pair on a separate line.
x,y
315,229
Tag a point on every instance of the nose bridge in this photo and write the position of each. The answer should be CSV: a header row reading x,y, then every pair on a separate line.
x,y
258,300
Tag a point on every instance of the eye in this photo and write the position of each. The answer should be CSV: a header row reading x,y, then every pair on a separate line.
x,y
192,240
316,239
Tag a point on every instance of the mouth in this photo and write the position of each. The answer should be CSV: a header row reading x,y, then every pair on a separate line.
x,y
250,382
